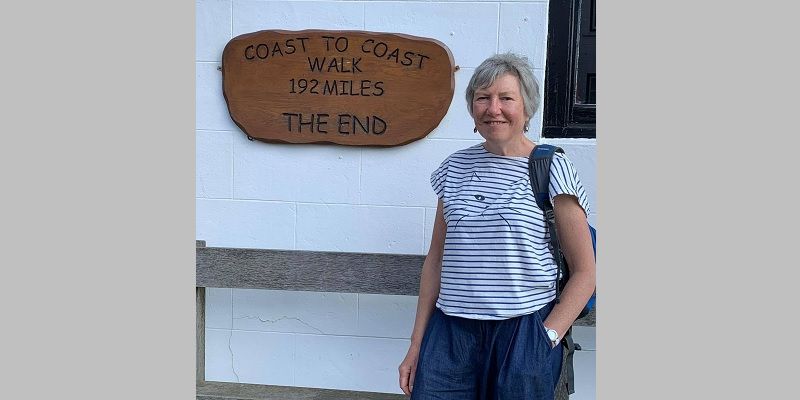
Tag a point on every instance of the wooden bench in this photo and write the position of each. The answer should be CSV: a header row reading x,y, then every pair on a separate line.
x,y
217,267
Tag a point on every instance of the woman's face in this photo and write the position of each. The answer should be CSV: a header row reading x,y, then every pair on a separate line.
x,y
498,110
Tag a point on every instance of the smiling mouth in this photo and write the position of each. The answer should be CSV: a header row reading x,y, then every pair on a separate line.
x,y
494,122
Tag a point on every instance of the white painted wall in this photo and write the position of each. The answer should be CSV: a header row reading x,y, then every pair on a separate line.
x,y
335,198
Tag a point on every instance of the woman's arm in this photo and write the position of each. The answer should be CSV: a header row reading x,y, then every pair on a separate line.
x,y
576,244
429,282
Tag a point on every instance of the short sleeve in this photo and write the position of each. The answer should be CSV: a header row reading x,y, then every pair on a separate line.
x,y
564,180
439,178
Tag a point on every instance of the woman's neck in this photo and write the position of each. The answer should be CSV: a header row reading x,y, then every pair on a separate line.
x,y
520,147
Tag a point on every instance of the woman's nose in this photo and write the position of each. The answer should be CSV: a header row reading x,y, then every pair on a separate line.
x,y
494,106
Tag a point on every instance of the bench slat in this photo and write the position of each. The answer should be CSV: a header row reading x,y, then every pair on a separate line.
x,y
396,274
243,391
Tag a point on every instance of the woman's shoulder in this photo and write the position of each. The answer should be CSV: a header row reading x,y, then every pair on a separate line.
x,y
561,156
563,160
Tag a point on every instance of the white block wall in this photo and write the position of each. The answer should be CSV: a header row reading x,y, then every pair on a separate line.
x,y
335,198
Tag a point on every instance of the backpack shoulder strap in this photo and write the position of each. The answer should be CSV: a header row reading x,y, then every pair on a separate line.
x,y
539,172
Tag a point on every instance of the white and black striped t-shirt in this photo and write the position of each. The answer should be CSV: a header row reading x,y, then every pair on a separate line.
x,y
496,263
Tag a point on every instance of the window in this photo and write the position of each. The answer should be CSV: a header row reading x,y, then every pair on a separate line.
x,y
570,95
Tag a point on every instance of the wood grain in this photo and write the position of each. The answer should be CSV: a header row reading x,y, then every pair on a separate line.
x,y
230,391
200,326
308,270
273,80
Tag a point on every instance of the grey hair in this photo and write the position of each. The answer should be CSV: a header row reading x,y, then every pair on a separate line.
x,y
499,65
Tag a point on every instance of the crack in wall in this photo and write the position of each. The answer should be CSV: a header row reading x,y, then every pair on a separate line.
x,y
272,321
233,364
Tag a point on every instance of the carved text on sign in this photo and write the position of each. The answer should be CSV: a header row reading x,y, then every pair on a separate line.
x,y
344,87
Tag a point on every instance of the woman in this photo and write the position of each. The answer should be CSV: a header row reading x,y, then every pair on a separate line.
x,y
487,325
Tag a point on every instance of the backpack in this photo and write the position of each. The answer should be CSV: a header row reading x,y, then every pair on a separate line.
x,y
539,173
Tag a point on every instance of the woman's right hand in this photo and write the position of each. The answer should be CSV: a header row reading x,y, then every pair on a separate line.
x,y
408,369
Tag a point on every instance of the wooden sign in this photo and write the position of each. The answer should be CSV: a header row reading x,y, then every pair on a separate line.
x,y
346,87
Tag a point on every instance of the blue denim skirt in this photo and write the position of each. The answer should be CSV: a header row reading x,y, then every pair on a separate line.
x,y
469,359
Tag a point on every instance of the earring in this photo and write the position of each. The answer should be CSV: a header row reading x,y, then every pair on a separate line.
x,y
475,130
526,127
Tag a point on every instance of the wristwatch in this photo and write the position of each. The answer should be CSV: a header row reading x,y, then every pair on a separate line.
x,y
552,335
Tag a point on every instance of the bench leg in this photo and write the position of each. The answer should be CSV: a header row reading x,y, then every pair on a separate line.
x,y
201,335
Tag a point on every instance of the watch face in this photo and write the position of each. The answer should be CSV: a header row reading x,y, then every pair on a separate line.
x,y
552,335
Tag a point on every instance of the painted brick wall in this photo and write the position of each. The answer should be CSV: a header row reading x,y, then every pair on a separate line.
x,y
335,198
